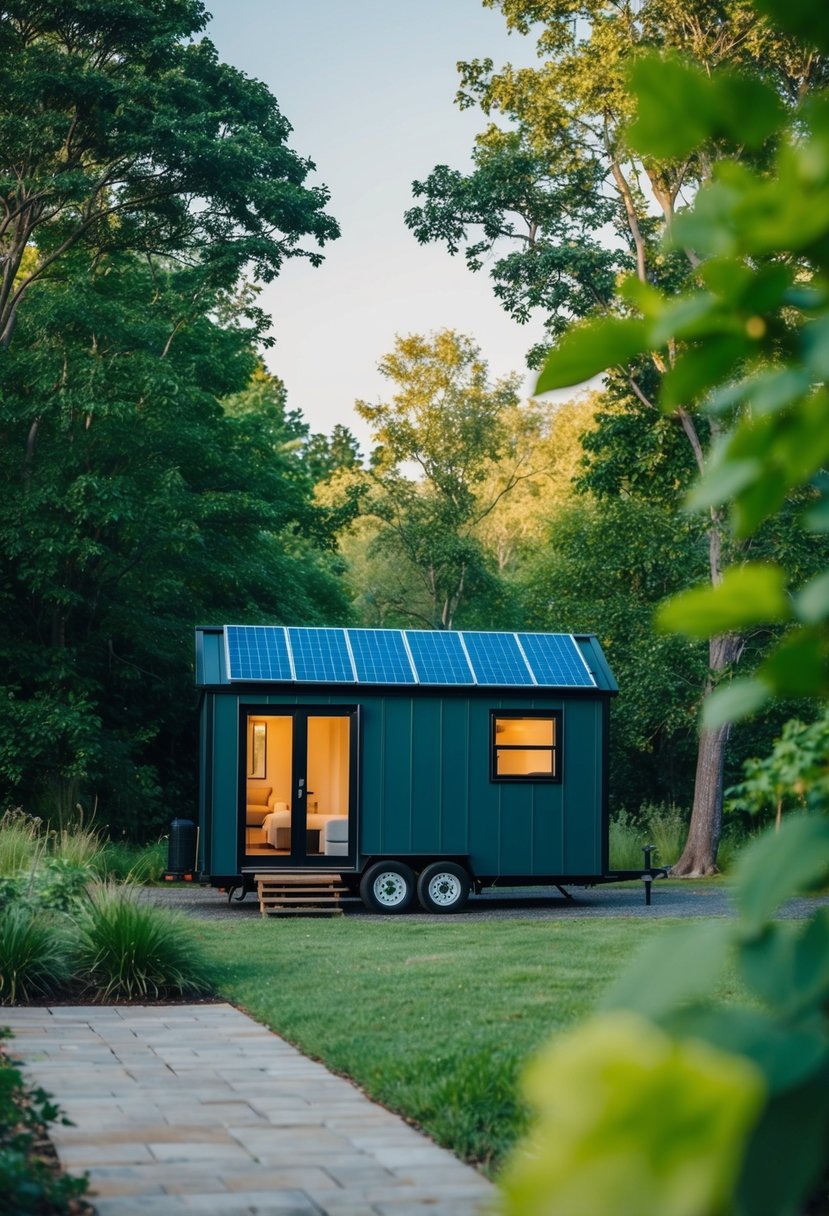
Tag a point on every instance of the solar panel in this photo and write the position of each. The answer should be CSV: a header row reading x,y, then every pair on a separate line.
x,y
321,656
438,657
496,658
380,656
556,660
257,652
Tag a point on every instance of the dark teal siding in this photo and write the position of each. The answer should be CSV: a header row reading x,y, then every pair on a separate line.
x,y
454,776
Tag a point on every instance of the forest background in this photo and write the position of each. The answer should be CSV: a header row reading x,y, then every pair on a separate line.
x,y
156,476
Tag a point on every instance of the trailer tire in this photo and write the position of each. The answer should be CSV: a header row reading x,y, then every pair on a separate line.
x,y
443,887
388,886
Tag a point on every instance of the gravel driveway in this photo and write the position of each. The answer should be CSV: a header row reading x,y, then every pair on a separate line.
x,y
670,899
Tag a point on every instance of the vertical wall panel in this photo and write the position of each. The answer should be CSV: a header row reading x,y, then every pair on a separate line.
x,y
582,787
373,763
427,799
484,796
397,778
224,844
454,776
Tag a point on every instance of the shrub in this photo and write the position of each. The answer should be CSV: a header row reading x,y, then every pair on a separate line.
x,y
33,955
28,1181
62,885
132,951
12,891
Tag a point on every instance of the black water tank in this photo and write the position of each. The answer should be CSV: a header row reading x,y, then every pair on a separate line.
x,y
181,853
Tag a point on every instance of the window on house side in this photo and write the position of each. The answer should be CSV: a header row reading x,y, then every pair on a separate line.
x,y
526,746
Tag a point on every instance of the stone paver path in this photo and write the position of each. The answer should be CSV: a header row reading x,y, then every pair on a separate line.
x,y
197,1108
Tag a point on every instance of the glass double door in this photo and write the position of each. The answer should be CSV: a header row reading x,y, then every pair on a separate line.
x,y
300,785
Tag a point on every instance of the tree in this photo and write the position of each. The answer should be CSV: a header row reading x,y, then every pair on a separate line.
x,y
565,191
120,130
793,776
138,506
546,439
447,420
325,455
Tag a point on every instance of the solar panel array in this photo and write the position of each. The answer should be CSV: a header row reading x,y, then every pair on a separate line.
x,y
433,657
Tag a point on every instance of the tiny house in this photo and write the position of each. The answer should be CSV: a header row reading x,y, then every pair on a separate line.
x,y
417,764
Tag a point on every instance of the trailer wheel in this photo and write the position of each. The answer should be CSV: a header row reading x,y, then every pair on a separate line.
x,y
443,887
388,886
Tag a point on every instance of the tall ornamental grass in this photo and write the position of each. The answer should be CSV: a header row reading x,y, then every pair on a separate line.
x,y
77,846
21,842
129,951
34,956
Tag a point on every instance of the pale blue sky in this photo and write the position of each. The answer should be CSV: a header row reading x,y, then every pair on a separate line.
x,y
368,86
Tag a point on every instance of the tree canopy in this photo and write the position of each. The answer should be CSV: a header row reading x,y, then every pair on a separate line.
x,y
121,129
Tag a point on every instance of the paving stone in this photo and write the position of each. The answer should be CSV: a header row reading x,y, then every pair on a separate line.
x,y
279,1179
198,1150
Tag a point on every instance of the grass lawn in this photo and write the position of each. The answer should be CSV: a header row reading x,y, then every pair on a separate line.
x,y
432,1019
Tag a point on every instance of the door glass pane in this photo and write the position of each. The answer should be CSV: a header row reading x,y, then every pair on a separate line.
x,y
326,824
268,784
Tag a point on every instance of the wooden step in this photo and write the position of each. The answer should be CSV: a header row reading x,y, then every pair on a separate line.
x,y
300,894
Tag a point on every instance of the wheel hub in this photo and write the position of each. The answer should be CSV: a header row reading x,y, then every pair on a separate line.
x,y
445,889
390,889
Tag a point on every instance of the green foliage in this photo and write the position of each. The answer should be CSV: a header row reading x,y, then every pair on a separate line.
x,y
61,885
631,1121
28,1182
794,775
746,592
553,206
12,891
140,505
128,951
33,955
126,862
786,1038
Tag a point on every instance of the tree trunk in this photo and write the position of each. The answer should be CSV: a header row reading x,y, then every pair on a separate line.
x,y
699,857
